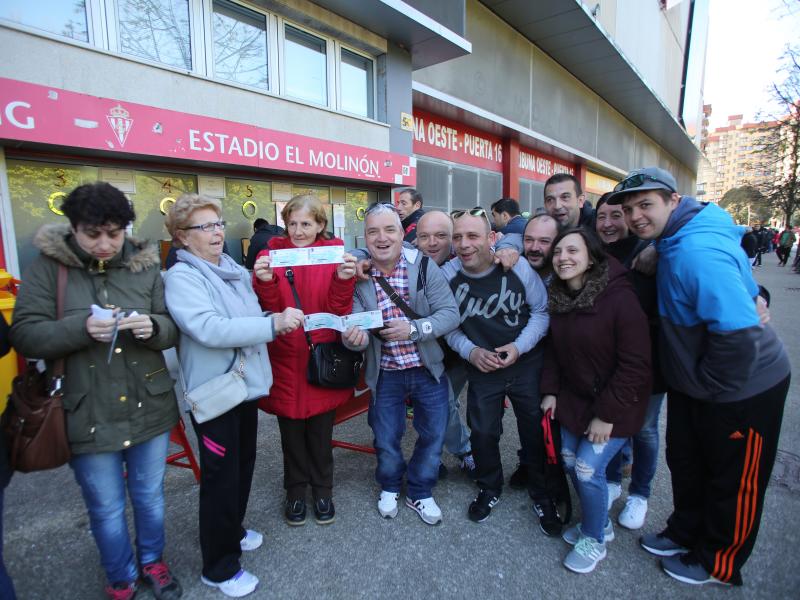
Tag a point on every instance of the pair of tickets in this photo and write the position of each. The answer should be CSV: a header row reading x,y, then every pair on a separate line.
x,y
98,312
297,257
366,320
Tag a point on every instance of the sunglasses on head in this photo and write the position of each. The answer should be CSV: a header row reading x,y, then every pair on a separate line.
x,y
472,212
638,180
379,205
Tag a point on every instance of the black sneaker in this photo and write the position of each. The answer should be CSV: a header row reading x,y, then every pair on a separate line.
x,y
324,511
519,480
295,512
481,507
549,521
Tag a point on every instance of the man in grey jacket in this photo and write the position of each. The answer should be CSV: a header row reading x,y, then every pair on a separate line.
x,y
404,360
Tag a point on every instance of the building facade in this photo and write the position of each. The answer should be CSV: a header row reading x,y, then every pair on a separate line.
x,y
254,101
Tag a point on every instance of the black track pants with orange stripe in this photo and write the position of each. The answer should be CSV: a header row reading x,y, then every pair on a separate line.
x,y
720,457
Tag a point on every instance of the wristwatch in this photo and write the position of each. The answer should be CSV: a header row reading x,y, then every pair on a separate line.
x,y
413,335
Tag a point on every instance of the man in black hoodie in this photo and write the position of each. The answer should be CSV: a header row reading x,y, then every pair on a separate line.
x,y
264,232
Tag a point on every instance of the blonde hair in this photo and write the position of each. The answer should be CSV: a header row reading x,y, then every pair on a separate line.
x,y
315,208
180,213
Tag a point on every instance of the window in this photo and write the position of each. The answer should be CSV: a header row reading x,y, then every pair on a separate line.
x,y
157,30
355,81
240,44
54,16
305,66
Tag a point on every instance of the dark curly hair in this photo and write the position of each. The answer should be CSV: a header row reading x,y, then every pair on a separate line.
x,y
98,204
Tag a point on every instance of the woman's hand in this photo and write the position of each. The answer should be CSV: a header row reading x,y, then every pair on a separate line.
x,y
598,431
263,268
101,330
549,403
142,326
288,320
355,337
347,269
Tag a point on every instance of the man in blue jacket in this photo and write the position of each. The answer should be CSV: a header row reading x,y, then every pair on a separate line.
x,y
728,377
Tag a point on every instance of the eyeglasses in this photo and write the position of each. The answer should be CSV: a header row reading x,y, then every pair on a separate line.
x,y
208,227
635,181
472,212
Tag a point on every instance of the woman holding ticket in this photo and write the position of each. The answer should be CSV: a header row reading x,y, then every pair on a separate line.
x,y
118,395
318,276
222,328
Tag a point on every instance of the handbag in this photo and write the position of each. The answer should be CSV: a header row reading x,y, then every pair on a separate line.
x,y
330,364
219,394
34,423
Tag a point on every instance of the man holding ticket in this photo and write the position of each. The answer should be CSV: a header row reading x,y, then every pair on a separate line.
x,y
308,269
404,360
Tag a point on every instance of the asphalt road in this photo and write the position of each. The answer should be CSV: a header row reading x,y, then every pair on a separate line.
x,y
50,552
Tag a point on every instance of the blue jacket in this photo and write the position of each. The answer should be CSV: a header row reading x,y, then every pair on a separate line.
x,y
712,345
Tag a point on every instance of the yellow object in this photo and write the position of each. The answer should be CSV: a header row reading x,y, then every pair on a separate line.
x,y
8,364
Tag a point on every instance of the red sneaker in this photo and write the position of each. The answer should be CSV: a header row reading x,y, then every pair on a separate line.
x,y
122,590
164,585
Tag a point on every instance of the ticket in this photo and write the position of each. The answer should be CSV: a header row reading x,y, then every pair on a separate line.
x,y
291,257
366,320
322,321
325,255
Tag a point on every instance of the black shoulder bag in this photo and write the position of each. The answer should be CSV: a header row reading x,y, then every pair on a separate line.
x,y
330,364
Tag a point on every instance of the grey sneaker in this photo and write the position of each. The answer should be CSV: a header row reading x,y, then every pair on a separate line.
x,y
583,558
660,544
686,568
427,509
573,534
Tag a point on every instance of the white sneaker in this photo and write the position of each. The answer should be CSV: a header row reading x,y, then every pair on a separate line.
x,y
251,540
427,509
614,492
237,586
387,504
632,516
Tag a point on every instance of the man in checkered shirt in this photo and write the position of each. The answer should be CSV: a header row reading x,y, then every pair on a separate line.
x,y
404,360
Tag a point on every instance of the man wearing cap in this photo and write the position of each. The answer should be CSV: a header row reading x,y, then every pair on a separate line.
x,y
728,377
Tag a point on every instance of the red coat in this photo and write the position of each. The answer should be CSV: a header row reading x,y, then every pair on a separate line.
x,y
320,290
597,360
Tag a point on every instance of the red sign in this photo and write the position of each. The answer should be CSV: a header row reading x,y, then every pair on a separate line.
x,y
442,138
539,167
37,113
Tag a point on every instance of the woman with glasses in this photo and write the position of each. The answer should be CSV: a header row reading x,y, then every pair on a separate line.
x,y
305,412
118,396
213,303
595,379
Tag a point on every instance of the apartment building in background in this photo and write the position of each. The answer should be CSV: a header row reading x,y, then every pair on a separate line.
x,y
254,101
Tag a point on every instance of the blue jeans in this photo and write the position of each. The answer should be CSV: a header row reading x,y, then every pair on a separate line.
x,y
586,464
387,417
102,480
645,453
456,436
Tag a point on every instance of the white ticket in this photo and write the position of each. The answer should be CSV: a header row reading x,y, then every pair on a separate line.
x,y
297,257
365,320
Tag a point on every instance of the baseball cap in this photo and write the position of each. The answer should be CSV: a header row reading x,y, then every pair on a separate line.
x,y
650,178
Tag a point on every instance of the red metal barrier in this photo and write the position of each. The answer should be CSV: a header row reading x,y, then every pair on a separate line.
x,y
184,458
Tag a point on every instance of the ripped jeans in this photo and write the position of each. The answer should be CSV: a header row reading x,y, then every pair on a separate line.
x,y
586,464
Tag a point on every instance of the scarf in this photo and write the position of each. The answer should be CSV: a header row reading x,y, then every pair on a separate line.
x,y
231,283
562,300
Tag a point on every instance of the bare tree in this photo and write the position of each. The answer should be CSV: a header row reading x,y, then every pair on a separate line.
x,y
777,157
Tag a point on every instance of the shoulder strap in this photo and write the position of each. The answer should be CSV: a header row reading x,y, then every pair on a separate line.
x,y
396,299
61,292
289,273
422,276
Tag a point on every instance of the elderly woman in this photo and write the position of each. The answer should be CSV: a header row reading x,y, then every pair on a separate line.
x,y
213,303
305,411
118,395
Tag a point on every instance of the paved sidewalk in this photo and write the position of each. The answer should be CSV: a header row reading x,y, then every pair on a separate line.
x,y
50,553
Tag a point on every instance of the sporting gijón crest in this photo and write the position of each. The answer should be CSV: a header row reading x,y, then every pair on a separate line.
x,y
120,122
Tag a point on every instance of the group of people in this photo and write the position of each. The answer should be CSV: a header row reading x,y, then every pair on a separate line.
x,y
582,319
761,240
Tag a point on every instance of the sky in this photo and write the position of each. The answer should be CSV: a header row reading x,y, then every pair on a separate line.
x,y
745,41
